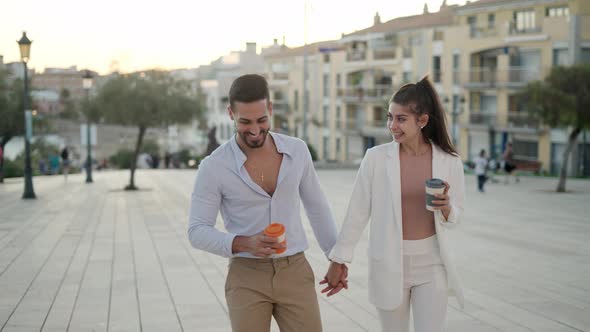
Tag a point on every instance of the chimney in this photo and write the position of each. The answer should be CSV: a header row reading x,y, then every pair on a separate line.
x,y
425,8
283,40
275,42
444,4
251,48
376,19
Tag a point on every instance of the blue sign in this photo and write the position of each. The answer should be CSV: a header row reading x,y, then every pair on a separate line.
x,y
29,125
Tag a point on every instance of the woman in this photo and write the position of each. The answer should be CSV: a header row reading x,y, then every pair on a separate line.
x,y
409,259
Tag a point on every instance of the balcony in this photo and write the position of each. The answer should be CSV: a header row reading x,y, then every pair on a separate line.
x,y
384,53
514,31
483,32
355,55
482,118
490,77
522,119
281,107
377,93
280,76
407,52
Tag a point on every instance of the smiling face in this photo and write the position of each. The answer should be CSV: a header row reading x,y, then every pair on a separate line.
x,y
252,121
404,125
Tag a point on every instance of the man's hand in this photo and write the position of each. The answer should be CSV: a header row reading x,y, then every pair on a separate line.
x,y
258,245
336,278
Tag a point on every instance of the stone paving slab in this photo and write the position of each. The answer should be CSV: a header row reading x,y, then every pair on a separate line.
x,y
91,257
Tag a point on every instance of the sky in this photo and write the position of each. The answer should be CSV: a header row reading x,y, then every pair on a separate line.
x,y
130,35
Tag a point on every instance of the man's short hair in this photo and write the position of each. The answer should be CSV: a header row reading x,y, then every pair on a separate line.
x,y
248,88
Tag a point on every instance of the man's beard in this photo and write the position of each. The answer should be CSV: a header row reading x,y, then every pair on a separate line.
x,y
256,144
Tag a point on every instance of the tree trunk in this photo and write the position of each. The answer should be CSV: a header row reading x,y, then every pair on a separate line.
x,y
570,146
3,144
131,185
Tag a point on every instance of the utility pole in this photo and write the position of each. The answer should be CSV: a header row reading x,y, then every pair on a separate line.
x,y
305,74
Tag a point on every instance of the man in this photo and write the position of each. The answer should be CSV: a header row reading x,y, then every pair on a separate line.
x,y
257,178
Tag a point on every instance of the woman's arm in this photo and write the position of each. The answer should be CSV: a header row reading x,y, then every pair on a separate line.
x,y
357,214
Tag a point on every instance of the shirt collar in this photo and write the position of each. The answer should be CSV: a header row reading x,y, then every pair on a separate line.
x,y
241,158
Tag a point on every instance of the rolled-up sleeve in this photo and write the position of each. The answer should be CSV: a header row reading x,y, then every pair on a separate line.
x,y
317,207
204,208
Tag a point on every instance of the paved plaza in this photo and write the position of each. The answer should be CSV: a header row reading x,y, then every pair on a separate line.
x,y
95,258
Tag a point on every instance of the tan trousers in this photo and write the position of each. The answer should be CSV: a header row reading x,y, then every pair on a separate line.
x,y
284,287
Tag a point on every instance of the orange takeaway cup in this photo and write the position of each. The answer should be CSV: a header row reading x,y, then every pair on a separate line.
x,y
277,230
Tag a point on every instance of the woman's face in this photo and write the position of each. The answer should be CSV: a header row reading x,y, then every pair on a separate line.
x,y
403,124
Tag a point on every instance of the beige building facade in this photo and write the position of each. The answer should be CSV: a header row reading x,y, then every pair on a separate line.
x,y
478,55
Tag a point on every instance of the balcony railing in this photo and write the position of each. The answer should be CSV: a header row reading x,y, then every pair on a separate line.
x,y
384,53
407,52
281,106
356,56
490,77
280,76
374,93
483,32
514,31
482,118
522,119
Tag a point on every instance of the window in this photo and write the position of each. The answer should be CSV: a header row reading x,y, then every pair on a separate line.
x,y
295,100
326,57
438,35
585,55
337,147
338,124
491,21
557,11
325,118
456,62
524,20
436,69
338,80
326,85
407,76
325,147
472,22
561,57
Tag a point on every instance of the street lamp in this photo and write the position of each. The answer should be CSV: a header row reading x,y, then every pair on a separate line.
x,y
25,51
455,112
87,85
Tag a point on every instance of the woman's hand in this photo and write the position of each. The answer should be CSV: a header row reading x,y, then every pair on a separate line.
x,y
443,201
336,278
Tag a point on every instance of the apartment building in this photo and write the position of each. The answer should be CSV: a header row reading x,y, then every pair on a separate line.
x,y
493,50
479,57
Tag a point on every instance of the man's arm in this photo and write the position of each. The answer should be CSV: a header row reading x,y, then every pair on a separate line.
x,y
202,234
316,206
205,203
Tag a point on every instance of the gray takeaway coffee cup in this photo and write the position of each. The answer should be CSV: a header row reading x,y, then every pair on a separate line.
x,y
433,186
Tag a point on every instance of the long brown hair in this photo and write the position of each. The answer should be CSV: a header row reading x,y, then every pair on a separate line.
x,y
421,98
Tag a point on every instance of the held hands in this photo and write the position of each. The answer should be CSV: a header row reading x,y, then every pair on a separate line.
x,y
258,245
443,201
336,279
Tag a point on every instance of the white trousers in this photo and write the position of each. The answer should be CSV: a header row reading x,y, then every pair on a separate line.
x,y
425,290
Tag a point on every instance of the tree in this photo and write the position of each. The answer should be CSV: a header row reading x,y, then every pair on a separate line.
x,y
145,100
562,100
12,121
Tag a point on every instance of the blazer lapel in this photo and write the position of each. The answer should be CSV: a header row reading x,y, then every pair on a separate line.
x,y
394,175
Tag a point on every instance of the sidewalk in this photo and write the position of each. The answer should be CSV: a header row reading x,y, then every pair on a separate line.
x,y
95,258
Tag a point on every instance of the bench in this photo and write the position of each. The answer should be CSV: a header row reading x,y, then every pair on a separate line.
x,y
524,165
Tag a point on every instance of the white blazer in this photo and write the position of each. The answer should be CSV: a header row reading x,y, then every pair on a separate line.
x,y
377,197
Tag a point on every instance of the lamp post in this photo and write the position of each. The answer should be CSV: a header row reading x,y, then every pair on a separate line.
x,y
87,84
455,112
25,51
